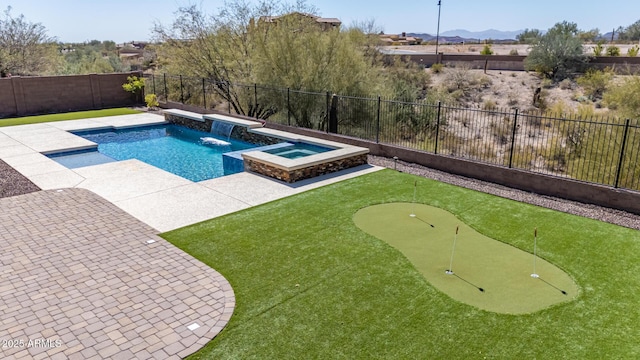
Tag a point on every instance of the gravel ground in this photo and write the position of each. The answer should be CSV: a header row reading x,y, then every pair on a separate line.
x,y
13,183
612,216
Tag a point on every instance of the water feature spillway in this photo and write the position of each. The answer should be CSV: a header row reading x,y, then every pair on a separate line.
x,y
221,128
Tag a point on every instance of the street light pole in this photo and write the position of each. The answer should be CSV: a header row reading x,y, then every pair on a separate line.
x,y
438,30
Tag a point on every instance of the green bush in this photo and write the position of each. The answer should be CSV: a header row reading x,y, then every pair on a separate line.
x,y
613,50
437,68
598,49
633,51
595,82
513,52
134,85
151,100
625,97
486,50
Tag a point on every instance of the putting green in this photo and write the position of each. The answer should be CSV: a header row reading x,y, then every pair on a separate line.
x,y
488,274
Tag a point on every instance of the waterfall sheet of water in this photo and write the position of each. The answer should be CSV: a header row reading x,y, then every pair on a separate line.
x,y
222,129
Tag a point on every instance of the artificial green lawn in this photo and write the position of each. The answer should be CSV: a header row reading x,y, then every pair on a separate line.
x,y
67,116
487,273
310,284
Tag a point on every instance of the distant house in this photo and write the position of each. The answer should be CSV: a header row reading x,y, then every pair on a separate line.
x,y
399,40
325,23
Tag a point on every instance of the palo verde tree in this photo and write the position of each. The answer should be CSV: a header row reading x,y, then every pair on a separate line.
x,y
218,48
25,48
557,53
299,54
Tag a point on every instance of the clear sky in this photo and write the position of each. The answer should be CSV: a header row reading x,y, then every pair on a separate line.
x,y
126,20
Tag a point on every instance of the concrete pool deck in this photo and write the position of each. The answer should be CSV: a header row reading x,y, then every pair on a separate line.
x,y
158,198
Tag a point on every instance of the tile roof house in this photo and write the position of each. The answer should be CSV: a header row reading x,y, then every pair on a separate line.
x,y
401,39
325,23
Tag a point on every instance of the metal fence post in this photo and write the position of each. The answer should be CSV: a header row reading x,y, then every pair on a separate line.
x,y
621,160
204,95
229,97
513,136
326,122
288,108
166,93
255,98
435,150
181,91
378,122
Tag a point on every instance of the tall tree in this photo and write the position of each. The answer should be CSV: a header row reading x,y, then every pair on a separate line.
x,y
215,48
557,53
529,36
631,32
25,48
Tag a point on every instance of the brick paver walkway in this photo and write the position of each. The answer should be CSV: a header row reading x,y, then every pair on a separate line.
x,y
79,280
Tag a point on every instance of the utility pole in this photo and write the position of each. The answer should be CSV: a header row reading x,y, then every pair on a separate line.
x,y
438,30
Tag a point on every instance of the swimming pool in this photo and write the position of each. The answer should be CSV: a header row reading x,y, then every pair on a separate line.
x,y
191,154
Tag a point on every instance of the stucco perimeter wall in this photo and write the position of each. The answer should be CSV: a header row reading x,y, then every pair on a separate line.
x,y
519,179
22,96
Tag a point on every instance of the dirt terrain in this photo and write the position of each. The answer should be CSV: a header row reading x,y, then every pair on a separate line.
x,y
509,89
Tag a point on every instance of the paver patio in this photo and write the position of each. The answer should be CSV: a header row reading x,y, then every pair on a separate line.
x,y
81,281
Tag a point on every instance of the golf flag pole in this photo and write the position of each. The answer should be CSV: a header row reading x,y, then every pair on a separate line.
x,y
413,206
535,245
453,249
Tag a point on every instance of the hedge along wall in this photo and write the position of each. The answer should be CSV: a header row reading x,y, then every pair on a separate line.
x,y
20,96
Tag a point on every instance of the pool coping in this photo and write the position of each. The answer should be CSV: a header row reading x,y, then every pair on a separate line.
x,y
268,164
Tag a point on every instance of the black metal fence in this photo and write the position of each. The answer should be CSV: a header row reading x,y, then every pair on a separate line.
x,y
602,150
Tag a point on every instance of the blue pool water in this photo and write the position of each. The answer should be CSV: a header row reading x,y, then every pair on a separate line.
x,y
173,148
298,150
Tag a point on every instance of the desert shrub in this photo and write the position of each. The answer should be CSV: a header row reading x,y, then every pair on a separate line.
x,y
501,131
613,50
559,109
512,98
460,78
598,49
489,105
486,50
513,52
484,81
546,83
633,51
566,84
595,82
625,97
437,68
586,111
542,102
